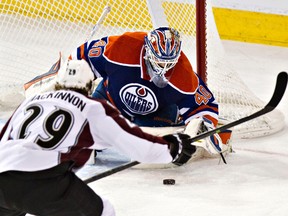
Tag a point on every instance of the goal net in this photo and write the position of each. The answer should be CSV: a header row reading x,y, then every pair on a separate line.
x,y
33,32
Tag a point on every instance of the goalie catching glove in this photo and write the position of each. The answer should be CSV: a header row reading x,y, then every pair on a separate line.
x,y
180,147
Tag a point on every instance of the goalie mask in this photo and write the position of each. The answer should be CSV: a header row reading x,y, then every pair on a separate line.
x,y
75,74
163,47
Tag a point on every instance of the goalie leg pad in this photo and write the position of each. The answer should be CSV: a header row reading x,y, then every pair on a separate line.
x,y
226,137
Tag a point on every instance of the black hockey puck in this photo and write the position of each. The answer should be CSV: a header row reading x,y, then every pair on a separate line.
x,y
169,181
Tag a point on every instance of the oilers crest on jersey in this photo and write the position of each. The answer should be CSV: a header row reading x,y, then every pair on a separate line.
x,y
138,99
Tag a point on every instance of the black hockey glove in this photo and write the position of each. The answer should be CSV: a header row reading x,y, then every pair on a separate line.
x,y
180,147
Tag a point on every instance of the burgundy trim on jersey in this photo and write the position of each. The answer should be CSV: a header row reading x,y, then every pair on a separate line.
x,y
121,121
4,128
79,152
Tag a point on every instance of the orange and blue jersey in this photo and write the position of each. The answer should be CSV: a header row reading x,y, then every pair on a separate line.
x,y
119,61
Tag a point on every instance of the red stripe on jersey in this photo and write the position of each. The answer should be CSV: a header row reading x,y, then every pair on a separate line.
x,y
79,153
122,122
203,107
213,120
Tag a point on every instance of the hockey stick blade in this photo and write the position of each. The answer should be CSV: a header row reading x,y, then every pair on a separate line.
x,y
281,84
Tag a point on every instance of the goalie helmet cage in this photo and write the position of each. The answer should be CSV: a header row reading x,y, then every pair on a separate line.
x,y
33,32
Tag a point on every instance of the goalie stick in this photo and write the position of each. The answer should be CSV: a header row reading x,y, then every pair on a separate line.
x,y
281,84
106,10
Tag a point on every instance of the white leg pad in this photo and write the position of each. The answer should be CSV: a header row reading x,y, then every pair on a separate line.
x,y
192,130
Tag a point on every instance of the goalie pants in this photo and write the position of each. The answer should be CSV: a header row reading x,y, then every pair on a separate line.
x,y
52,192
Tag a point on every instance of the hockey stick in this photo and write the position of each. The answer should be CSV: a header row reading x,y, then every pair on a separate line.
x,y
111,171
281,84
95,28
99,22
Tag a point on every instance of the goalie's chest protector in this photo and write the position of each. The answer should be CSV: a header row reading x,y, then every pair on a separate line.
x,y
126,82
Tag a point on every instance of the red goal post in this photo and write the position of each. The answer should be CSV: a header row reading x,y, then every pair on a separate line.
x,y
32,32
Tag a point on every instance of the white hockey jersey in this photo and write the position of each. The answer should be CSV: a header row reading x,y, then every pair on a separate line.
x,y
60,126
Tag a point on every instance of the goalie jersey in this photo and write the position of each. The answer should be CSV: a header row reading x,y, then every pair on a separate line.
x,y
119,61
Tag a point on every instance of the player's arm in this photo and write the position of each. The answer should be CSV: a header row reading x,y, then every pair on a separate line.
x,y
116,131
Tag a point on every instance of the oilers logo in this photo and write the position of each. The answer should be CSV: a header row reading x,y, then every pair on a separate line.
x,y
138,99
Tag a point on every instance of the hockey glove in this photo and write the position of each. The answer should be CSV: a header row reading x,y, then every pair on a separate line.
x,y
180,147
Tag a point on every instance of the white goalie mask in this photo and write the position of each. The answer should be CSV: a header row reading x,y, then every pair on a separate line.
x,y
163,47
75,74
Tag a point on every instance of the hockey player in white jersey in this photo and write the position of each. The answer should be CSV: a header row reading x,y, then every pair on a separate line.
x,y
52,134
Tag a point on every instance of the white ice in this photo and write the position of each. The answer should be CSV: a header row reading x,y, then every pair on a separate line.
x,y
253,183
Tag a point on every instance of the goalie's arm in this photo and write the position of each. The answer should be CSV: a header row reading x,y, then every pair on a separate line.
x,y
200,103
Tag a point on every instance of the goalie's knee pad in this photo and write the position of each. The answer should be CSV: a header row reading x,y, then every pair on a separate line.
x,y
226,137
